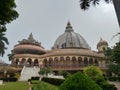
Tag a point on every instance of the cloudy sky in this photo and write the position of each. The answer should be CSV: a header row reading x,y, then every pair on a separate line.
x,y
47,19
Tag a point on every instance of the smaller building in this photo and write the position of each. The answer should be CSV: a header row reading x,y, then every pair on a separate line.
x,y
27,52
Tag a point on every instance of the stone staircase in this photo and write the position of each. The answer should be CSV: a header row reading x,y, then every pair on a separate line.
x,y
28,72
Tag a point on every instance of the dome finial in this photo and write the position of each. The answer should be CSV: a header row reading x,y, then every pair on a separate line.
x,y
68,25
30,37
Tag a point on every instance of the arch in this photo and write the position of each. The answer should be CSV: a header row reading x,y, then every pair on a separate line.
x,y
91,61
67,60
80,61
23,61
36,62
61,61
50,61
45,62
56,61
73,61
96,62
29,62
85,61
17,61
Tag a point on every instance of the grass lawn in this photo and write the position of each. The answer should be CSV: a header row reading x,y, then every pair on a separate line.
x,y
15,86
44,86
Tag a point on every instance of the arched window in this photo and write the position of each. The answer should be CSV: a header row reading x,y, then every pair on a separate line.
x,y
17,61
80,61
61,61
56,61
23,61
67,60
36,62
96,62
45,62
73,60
90,61
85,61
29,62
50,61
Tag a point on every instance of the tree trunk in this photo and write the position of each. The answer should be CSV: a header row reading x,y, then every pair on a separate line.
x,y
117,9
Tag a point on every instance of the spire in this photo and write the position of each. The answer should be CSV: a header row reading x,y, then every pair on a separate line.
x,y
68,25
31,37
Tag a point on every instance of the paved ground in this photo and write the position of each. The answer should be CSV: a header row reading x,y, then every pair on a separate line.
x,y
117,84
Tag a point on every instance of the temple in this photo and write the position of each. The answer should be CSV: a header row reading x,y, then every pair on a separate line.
x,y
70,52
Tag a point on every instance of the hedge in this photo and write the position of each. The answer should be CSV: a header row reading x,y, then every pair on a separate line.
x,y
9,79
54,81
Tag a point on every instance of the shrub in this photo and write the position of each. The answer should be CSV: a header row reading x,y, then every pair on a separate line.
x,y
54,81
35,78
12,79
94,73
106,86
114,78
78,81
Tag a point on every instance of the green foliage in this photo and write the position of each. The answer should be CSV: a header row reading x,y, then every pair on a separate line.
x,y
45,71
85,4
79,81
7,13
113,56
116,53
94,73
44,86
35,78
64,73
3,41
114,68
10,56
54,81
106,86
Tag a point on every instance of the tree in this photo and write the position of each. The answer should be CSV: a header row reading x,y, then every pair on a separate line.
x,y
85,4
45,71
94,73
3,41
114,59
7,13
79,81
64,73
10,56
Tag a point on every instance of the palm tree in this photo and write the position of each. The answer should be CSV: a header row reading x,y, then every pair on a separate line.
x,y
10,56
3,42
116,35
85,4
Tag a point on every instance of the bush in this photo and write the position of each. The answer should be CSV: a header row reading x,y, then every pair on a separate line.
x,y
54,81
9,79
78,81
106,86
35,78
114,78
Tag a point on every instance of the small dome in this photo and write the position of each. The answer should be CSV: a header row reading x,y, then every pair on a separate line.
x,y
70,39
102,42
29,46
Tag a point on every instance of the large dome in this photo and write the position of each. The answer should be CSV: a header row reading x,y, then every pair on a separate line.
x,y
70,39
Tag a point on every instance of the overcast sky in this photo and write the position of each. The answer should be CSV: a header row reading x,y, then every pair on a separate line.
x,y
47,20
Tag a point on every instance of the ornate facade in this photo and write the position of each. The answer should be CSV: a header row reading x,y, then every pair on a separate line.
x,y
70,52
